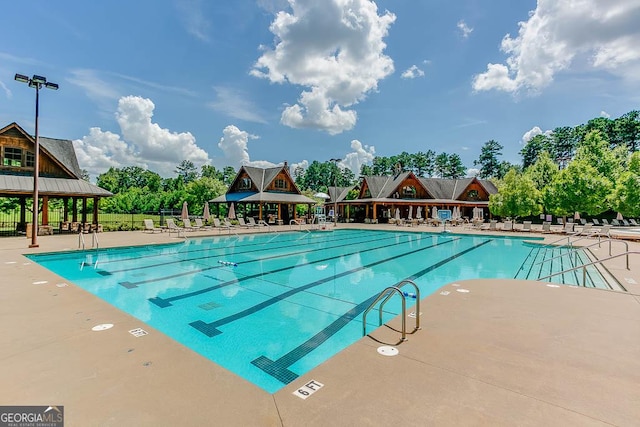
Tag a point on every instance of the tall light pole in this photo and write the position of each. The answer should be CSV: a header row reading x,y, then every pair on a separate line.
x,y
36,82
335,192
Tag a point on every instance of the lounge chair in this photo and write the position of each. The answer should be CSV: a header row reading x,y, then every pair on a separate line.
x,y
150,227
568,228
626,223
604,221
252,222
220,226
583,221
633,222
603,232
507,226
526,226
200,224
172,227
244,224
493,225
560,221
186,224
227,223
615,222
546,226
596,222
585,231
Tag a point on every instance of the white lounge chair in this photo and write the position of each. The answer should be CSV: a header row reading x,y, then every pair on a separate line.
x,y
507,226
546,227
186,224
150,227
172,227
200,224
244,224
526,226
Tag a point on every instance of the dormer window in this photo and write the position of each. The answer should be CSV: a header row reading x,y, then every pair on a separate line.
x,y
12,157
408,192
244,184
281,184
472,195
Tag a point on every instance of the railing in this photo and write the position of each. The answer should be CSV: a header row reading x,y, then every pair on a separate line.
x,y
385,296
575,251
584,266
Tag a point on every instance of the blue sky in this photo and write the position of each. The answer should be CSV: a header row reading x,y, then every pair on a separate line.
x,y
228,82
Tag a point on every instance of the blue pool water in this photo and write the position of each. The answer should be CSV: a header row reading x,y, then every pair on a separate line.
x,y
270,307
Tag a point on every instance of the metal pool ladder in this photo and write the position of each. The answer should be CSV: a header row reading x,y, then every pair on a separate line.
x,y
385,296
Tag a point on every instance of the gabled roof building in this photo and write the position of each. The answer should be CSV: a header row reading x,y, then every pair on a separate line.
x,y
380,196
268,194
60,175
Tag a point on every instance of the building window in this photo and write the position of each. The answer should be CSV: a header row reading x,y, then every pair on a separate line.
x,y
281,184
408,192
472,195
30,160
245,184
12,157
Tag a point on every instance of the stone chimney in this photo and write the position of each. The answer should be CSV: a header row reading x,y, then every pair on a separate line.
x,y
286,166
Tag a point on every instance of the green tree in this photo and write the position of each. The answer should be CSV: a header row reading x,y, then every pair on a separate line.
x,y
625,197
441,165
627,130
210,171
455,168
578,188
517,196
187,171
423,163
488,160
366,170
228,175
542,173
595,151
383,165
532,149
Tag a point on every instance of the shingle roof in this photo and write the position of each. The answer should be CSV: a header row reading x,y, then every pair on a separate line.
x,y
63,151
20,184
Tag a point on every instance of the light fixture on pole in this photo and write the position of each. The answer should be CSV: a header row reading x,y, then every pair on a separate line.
x,y
36,82
335,192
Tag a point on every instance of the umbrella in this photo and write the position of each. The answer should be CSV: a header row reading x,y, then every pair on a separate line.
x,y
434,213
185,211
419,212
232,212
322,196
410,212
397,214
205,214
576,215
619,217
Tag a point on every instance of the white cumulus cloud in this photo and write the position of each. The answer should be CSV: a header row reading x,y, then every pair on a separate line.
x,y
412,72
534,131
464,28
142,143
234,143
359,155
605,33
334,48
604,114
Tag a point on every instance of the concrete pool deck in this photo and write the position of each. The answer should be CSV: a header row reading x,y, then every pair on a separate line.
x,y
506,352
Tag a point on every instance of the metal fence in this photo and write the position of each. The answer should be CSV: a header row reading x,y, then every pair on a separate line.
x,y
11,225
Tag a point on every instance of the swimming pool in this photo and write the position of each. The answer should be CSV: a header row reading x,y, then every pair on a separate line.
x,y
270,307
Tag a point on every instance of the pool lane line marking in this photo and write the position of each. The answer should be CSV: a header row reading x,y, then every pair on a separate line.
x,y
260,247
279,368
211,329
161,301
130,285
223,253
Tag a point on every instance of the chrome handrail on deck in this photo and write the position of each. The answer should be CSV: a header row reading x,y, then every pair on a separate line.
x,y
584,266
610,240
385,296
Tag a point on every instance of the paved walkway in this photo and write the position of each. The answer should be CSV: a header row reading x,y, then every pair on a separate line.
x,y
504,353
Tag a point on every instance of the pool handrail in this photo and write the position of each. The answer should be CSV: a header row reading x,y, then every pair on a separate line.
x,y
384,296
610,240
584,266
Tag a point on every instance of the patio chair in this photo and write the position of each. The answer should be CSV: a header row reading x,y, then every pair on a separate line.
x,y
186,224
172,227
585,231
546,227
568,228
150,227
626,223
201,225
604,221
526,226
507,226
605,231
615,222
244,224
493,225
596,222
227,223
583,221
633,222
252,222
